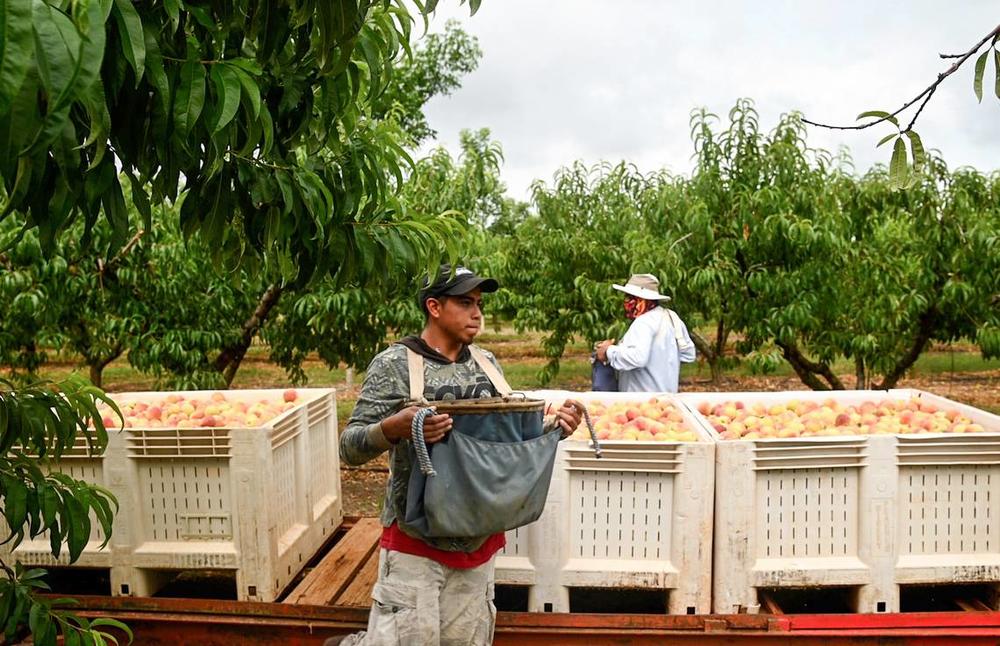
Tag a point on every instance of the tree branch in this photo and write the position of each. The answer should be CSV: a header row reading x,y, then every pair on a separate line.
x,y
228,361
925,331
808,370
124,250
925,94
859,372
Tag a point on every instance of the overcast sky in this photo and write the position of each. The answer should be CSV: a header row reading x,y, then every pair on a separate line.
x,y
562,80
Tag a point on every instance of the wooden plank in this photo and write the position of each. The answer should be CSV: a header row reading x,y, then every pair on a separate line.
x,y
340,566
972,605
768,603
359,593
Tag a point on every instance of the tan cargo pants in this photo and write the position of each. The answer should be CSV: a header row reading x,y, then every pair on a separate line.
x,y
417,601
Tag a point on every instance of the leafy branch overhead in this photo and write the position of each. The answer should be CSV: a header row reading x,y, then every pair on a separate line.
x,y
260,117
900,162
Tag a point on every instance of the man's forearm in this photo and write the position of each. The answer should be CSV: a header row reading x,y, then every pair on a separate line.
x,y
361,443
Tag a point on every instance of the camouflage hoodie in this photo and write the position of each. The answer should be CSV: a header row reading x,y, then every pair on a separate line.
x,y
385,389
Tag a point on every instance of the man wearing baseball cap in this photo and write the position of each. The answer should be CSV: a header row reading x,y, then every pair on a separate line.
x,y
430,590
649,356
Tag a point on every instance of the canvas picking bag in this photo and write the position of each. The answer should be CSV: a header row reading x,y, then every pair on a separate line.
x,y
491,473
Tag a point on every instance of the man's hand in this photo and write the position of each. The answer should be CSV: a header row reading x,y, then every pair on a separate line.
x,y
602,349
569,416
397,427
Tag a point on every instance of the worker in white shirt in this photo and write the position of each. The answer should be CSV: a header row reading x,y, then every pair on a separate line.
x,y
649,356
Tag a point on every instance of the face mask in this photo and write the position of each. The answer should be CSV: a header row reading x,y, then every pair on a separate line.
x,y
635,307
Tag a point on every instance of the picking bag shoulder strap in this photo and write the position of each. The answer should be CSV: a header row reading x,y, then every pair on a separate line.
x,y
495,376
415,367
675,321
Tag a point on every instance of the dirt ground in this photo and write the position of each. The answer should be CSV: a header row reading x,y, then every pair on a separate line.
x,y
363,488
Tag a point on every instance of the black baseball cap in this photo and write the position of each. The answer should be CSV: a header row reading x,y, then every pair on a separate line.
x,y
462,281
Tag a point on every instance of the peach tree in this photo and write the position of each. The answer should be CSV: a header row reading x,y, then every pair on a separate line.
x,y
255,116
810,264
557,265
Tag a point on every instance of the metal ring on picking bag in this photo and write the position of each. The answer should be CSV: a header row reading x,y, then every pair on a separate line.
x,y
419,444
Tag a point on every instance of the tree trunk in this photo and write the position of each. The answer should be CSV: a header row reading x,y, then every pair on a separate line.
x,y
809,371
925,331
96,365
721,336
229,360
859,373
711,357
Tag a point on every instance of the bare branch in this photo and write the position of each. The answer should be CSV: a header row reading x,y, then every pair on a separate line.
x,y
925,94
927,98
128,247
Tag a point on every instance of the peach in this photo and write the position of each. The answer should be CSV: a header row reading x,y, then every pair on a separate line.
x,y
290,395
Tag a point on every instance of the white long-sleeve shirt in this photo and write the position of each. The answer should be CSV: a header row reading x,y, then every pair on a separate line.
x,y
649,357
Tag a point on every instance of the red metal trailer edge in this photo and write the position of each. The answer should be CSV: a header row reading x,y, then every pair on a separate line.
x,y
191,622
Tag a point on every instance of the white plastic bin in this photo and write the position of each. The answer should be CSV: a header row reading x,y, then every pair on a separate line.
x,y
640,517
869,512
259,501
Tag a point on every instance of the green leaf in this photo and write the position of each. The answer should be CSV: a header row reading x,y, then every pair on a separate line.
x,y
251,91
173,8
96,106
897,166
886,138
15,503
879,114
917,148
996,62
227,90
133,39
49,503
140,199
190,97
154,65
57,49
16,50
977,82
268,127
76,517
117,213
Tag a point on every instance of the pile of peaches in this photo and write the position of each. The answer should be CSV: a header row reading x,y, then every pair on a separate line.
x,y
736,420
216,410
653,420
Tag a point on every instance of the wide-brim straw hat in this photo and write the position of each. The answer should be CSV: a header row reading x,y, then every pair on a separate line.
x,y
643,286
